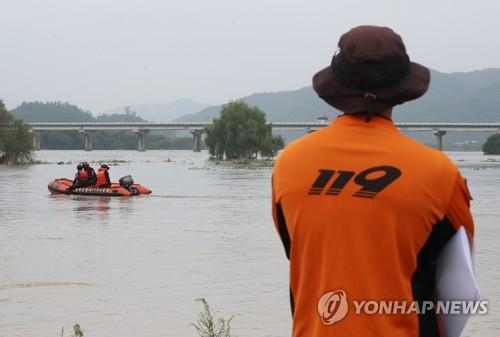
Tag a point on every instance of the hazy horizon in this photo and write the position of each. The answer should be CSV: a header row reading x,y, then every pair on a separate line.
x,y
104,55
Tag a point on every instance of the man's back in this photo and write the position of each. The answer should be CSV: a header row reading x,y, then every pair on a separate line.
x,y
364,210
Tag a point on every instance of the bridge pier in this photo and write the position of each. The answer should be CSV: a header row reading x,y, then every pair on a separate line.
x,y
439,134
35,136
141,139
197,140
87,140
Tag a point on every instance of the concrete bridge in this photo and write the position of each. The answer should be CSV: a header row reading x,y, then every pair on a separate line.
x,y
196,129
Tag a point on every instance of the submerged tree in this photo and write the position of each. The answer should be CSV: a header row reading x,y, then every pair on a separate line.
x,y
492,145
15,139
241,132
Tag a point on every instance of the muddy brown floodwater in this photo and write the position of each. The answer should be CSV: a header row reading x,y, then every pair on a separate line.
x,y
135,266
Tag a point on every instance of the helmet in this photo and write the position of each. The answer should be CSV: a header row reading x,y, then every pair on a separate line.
x,y
79,167
85,164
105,166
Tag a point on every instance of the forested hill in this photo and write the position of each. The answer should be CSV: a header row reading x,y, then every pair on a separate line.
x,y
65,112
163,112
455,97
105,139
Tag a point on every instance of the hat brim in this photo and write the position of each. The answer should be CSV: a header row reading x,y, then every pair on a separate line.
x,y
350,100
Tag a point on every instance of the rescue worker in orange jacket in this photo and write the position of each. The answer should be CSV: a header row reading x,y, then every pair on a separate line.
x,y
362,210
103,176
92,178
81,178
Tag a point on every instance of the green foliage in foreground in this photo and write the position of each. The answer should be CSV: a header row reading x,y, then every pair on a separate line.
x,y
208,325
492,145
241,132
15,139
77,331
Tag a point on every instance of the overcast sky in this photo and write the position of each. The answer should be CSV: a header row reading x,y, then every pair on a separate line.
x,y
102,54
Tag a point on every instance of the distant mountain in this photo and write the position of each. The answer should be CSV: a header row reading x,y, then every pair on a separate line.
x,y
291,106
455,97
163,112
65,112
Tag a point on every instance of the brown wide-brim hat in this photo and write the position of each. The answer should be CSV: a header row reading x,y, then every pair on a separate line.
x,y
370,72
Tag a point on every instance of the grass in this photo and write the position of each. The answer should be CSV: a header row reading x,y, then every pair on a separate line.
x,y
112,162
208,325
243,163
77,331
117,161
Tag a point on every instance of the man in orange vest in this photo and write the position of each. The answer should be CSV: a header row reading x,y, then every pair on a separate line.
x,y
363,211
81,178
92,178
103,176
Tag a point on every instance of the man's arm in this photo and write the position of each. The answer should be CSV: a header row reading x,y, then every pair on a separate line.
x,y
458,212
279,220
465,287
281,227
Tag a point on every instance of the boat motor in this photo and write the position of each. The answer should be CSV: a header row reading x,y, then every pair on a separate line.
x,y
126,181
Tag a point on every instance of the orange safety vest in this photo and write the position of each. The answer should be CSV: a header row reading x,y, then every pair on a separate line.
x,y
363,211
101,177
83,175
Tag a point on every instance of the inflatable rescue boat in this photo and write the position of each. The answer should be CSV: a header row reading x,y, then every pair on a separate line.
x,y
124,188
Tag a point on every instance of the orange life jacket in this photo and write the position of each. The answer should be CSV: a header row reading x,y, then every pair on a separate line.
x,y
102,180
83,175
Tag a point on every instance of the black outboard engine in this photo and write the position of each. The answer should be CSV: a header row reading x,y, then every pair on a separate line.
x,y
126,181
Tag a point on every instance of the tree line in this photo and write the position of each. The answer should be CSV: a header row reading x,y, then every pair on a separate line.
x,y
113,140
15,139
240,131
102,140
492,145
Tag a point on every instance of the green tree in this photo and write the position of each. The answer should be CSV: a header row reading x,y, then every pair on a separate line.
x,y
241,132
492,145
15,139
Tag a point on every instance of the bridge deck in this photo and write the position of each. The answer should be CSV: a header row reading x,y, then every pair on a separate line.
x,y
424,126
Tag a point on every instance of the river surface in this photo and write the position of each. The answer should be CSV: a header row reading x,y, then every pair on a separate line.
x,y
133,267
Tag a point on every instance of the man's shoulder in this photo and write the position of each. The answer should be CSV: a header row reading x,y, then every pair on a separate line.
x,y
402,148
423,152
306,142
300,146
